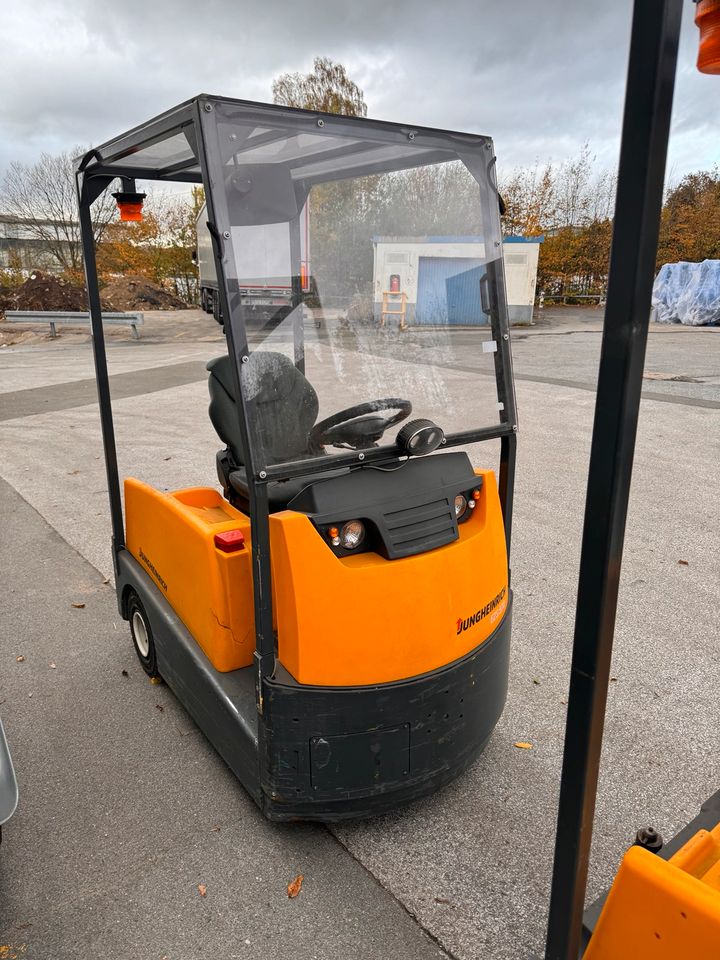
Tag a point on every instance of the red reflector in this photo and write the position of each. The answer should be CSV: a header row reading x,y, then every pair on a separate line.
x,y
230,540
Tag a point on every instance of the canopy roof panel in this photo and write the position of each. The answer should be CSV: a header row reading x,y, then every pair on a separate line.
x,y
312,146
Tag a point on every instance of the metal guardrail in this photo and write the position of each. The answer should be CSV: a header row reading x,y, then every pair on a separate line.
x,y
72,318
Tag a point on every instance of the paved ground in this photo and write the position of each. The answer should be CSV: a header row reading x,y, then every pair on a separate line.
x,y
119,799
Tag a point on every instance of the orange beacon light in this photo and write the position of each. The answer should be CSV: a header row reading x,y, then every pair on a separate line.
x,y
707,17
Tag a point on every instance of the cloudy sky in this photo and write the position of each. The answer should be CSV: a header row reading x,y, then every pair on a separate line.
x,y
540,78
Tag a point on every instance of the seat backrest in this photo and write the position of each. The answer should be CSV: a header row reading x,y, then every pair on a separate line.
x,y
285,405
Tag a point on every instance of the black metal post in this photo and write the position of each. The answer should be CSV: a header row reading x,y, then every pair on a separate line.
x,y
494,302
85,199
646,126
506,484
237,341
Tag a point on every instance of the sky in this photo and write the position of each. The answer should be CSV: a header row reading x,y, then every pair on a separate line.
x,y
541,78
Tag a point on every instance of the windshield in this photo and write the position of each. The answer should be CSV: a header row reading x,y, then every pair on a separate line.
x,y
369,282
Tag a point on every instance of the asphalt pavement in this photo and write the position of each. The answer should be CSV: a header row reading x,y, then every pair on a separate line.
x,y
125,810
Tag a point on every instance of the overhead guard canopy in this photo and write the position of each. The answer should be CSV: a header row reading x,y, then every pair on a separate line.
x,y
302,153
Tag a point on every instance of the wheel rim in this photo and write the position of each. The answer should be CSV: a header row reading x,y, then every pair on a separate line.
x,y
140,634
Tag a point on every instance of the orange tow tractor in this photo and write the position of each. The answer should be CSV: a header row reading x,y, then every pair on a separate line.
x,y
335,615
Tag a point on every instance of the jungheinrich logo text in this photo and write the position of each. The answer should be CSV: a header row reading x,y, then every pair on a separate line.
x,y
151,567
482,612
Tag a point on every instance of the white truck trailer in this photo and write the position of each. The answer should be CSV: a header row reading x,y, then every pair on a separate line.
x,y
263,268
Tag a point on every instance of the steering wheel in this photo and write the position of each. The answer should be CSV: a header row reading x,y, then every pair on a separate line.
x,y
356,427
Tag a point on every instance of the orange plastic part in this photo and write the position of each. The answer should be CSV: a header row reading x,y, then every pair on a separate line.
x,y
363,619
707,17
172,535
663,909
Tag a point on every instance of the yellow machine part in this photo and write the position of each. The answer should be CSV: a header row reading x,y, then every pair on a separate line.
x,y
172,535
364,619
341,621
663,909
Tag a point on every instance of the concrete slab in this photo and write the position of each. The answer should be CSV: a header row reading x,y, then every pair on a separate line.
x,y
125,809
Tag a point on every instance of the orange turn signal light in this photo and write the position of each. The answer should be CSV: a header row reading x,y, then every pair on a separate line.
x,y
230,540
333,532
476,494
707,18
130,205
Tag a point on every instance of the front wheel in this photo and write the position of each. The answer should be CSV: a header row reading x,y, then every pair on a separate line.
x,y
141,633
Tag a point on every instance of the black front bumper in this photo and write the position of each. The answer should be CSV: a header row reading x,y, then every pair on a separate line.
x,y
336,753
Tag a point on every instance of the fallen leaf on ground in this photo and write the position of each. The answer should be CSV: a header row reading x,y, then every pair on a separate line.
x,y
683,563
295,886
53,666
613,679
125,673
523,745
215,829
160,707
20,659
536,681
73,473
156,680
202,889
106,580
78,606
441,900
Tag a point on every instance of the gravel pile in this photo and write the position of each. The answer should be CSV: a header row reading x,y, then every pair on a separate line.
x,y
137,293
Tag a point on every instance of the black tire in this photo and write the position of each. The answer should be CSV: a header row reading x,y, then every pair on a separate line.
x,y
214,298
141,633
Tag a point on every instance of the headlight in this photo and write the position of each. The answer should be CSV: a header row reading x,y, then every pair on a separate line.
x,y
352,534
461,505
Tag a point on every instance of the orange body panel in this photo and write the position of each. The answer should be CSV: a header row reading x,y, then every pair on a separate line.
x,y
344,621
172,536
363,619
663,909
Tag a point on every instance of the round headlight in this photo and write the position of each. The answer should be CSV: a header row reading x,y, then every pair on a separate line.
x,y
352,534
460,505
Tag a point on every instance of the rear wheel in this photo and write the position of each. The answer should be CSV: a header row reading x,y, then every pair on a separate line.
x,y
214,298
141,633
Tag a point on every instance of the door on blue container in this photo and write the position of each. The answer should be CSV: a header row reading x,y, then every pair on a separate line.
x,y
449,291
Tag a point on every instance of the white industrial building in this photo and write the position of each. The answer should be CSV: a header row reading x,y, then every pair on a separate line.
x,y
437,280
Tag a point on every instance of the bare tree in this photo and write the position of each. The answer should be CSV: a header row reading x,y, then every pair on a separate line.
x,y
327,88
42,195
604,188
530,200
573,189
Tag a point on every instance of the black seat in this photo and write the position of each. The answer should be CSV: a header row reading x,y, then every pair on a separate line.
x,y
286,407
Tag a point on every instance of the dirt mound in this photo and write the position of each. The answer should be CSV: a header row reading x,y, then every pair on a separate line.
x,y
137,293
42,291
7,299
